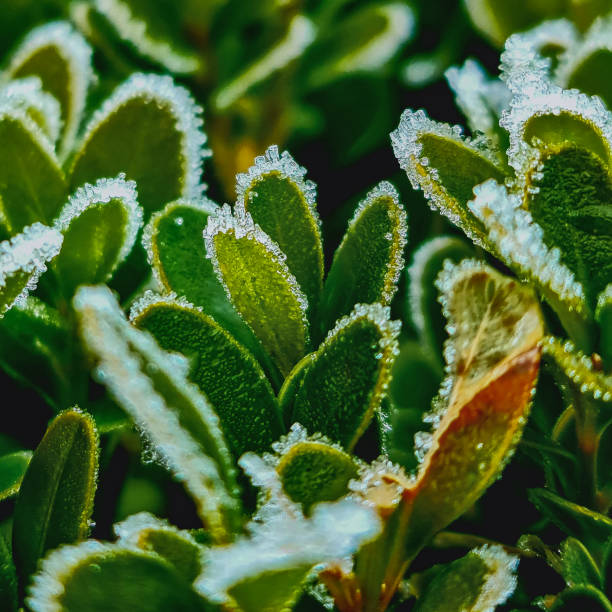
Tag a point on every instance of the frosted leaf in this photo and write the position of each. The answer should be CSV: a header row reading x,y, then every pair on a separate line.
x,y
163,91
134,30
300,34
28,95
129,360
287,167
382,47
409,152
604,298
500,581
420,70
104,191
335,530
519,241
77,54
480,98
23,259
554,101
578,367
204,204
597,38
151,298
129,531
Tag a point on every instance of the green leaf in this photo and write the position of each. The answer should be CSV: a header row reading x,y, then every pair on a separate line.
x,y
225,372
175,249
260,285
582,597
478,582
446,166
368,262
291,384
32,191
37,349
99,577
23,260
424,307
588,526
8,577
345,383
99,223
603,315
283,204
60,57
152,387
12,470
312,469
364,41
28,95
154,32
55,500
177,546
577,564
569,195
264,572
165,162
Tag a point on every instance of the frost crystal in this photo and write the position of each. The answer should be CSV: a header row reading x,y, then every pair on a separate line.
x,y
119,347
409,152
398,237
134,30
77,54
335,530
241,225
287,167
300,34
28,95
480,98
578,367
382,47
500,581
27,253
164,92
103,192
520,242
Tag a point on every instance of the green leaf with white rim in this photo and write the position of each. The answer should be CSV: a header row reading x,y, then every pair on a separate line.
x,y
99,224
447,166
166,162
426,314
345,383
39,105
264,572
368,262
283,204
100,577
62,59
312,469
363,41
175,249
23,259
33,191
56,496
177,546
177,420
477,582
260,285
226,373
12,469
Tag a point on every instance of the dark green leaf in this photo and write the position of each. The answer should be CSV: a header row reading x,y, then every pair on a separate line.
x,y
368,262
603,315
283,204
97,577
290,387
344,385
8,578
265,293
99,224
165,162
577,565
55,500
224,371
583,597
12,470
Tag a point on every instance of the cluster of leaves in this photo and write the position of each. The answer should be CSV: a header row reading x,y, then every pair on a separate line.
x,y
240,348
